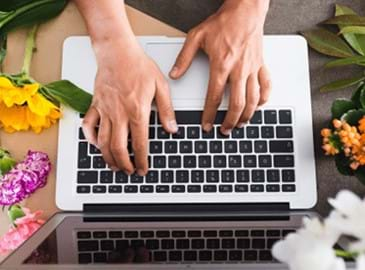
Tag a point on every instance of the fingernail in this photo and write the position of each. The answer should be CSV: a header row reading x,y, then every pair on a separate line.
x,y
127,172
140,172
226,131
113,168
207,127
173,126
174,72
241,125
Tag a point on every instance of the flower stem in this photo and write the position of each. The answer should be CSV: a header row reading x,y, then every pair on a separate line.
x,y
345,254
29,49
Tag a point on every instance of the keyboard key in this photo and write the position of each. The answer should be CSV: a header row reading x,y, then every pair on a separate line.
x,y
121,177
81,134
257,188
252,132
270,117
273,233
201,147
285,117
215,146
170,147
162,189
163,234
190,255
167,176
194,188
284,132
146,189
100,257
182,176
175,256
288,175
288,188
205,161
284,161
155,147
265,255
83,235
152,117
272,188
243,243
227,176
226,233
180,134
213,243
159,162
152,177
260,146
265,161
178,189
258,176
83,189
99,234
130,189
84,160
210,233
258,243
225,188
271,242
84,258
115,234
162,134
267,132
241,188
234,161
219,161
182,244
115,189
243,176
209,188
286,232
189,161
87,245
257,233
186,147
219,134
106,245
147,234
208,135
245,147
174,162
151,133
121,245
87,177
152,244
93,150
160,256
205,255
197,176
212,176
193,132
137,243
250,255
197,243
238,133
136,179
235,255
98,162
256,118
241,233
220,255
249,161
106,177
273,175
230,147
167,244
281,147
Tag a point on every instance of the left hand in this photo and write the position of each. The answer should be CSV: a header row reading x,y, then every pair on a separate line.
x,y
232,39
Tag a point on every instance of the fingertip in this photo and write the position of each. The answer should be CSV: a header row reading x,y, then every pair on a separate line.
x,y
172,126
207,127
174,73
225,131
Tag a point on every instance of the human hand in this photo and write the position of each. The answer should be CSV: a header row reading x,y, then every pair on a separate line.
x,y
232,39
127,81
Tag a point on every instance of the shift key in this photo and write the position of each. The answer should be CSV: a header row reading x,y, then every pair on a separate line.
x,y
87,177
281,147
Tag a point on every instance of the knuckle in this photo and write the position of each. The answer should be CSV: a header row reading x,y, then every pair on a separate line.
x,y
215,99
138,146
263,99
237,105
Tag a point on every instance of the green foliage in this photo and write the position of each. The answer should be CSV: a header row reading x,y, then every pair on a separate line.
x,y
6,162
348,44
340,107
343,165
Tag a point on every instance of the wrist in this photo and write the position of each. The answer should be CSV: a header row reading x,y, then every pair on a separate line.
x,y
259,7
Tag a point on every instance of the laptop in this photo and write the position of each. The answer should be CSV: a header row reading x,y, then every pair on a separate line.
x,y
208,199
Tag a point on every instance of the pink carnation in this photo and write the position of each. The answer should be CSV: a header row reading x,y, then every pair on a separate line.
x,y
26,226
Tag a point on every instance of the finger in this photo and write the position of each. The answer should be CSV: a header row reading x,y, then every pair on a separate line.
x,y
119,146
128,255
139,133
217,82
164,105
89,123
186,55
252,99
104,134
265,84
236,106
143,255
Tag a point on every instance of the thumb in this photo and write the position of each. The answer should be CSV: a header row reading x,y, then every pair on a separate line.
x,y
186,56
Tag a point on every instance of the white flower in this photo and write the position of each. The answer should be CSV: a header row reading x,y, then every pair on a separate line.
x,y
310,248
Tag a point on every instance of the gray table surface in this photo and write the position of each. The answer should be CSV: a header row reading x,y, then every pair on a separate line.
x,y
285,17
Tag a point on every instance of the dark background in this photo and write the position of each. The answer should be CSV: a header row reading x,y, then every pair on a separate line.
x,y
284,17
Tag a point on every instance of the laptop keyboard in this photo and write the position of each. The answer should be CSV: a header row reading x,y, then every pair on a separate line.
x,y
176,246
258,158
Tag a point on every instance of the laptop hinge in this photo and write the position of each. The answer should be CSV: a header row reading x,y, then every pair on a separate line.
x,y
208,209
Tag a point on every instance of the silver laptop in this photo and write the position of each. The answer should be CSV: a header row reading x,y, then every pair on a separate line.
x,y
207,200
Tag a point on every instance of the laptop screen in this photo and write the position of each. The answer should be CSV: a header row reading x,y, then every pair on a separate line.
x,y
110,240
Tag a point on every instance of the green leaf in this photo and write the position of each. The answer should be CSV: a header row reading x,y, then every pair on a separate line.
x,y
327,43
343,165
357,42
341,84
70,95
357,94
341,106
355,60
352,117
346,20
353,30
9,5
360,174
3,40
15,212
33,12
6,162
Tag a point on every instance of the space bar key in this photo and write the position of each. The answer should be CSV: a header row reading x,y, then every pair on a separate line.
x,y
194,117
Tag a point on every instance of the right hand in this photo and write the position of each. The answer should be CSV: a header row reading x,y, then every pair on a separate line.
x,y
126,83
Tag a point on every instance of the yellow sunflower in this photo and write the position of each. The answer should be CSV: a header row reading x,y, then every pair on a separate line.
x,y
24,108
